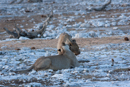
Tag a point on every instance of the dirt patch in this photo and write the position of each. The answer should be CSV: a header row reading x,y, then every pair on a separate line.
x,y
38,44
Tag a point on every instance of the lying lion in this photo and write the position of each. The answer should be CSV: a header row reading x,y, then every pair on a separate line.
x,y
57,62
67,39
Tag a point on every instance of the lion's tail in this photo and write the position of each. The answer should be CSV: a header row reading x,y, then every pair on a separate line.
x,y
24,71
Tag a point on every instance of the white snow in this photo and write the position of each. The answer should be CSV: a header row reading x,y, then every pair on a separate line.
x,y
98,68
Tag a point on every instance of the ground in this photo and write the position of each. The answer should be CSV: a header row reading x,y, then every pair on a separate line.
x,y
82,42
99,34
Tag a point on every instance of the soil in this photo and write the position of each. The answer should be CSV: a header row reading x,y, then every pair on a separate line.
x,y
38,44
10,22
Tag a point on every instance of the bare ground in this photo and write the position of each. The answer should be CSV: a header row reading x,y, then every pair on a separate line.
x,y
82,42
10,22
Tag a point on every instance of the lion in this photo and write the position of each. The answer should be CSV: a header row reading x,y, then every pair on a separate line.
x,y
56,62
67,39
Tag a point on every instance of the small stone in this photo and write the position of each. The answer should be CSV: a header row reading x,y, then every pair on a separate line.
x,y
17,49
126,38
43,16
27,11
33,48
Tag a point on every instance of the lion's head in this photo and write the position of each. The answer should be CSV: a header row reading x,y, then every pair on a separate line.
x,y
74,47
67,39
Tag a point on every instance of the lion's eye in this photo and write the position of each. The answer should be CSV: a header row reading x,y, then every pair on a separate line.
x,y
74,40
63,44
70,44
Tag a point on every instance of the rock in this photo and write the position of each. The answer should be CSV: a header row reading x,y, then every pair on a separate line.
x,y
17,49
126,38
33,48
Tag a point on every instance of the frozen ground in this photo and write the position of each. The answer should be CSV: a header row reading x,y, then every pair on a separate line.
x,y
94,73
69,16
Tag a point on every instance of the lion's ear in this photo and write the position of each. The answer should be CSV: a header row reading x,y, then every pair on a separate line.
x,y
73,40
59,50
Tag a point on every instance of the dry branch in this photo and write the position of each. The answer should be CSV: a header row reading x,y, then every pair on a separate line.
x,y
13,2
31,1
82,61
20,1
100,8
120,70
13,33
112,62
43,27
31,34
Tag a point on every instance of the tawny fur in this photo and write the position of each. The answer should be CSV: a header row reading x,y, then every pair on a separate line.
x,y
57,62
67,39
